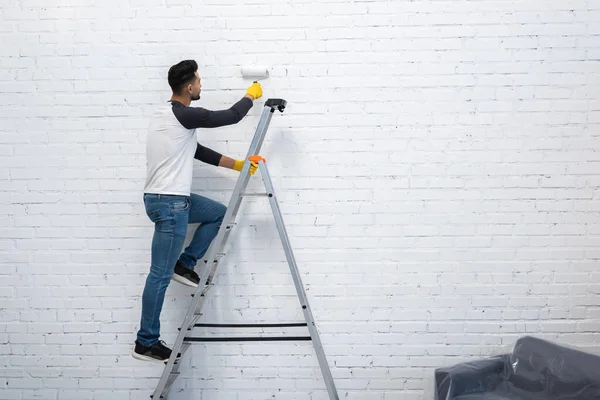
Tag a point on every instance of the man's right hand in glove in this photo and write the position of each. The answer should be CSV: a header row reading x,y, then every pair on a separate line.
x,y
254,92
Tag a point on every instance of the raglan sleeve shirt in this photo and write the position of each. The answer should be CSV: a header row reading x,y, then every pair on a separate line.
x,y
198,117
172,144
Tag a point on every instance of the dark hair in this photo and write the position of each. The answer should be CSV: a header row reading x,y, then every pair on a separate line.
x,y
182,74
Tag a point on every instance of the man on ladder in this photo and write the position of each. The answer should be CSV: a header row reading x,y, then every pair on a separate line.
x,y
171,206
171,148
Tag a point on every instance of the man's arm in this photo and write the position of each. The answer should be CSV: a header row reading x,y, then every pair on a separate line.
x,y
212,157
207,155
198,117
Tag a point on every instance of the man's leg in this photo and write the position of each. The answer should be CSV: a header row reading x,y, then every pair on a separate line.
x,y
209,214
170,216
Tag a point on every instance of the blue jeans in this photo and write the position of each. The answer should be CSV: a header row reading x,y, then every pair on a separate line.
x,y
171,214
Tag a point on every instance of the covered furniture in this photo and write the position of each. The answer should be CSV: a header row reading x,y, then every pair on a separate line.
x,y
536,369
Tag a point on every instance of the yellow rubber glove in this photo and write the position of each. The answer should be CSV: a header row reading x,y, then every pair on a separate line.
x,y
255,90
239,164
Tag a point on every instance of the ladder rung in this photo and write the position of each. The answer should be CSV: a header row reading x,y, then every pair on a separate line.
x,y
195,318
280,325
205,290
184,348
246,338
170,381
255,194
218,257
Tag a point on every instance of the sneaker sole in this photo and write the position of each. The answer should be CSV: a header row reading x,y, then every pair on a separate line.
x,y
146,358
183,281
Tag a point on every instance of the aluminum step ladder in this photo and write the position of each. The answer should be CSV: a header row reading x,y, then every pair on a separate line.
x,y
215,254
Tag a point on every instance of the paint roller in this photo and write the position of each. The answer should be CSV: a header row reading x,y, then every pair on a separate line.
x,y
255,72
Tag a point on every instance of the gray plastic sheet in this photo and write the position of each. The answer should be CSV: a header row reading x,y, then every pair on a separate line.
x,y
534,369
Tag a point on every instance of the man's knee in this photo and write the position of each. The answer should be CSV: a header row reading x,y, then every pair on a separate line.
x,y
221,212
160,275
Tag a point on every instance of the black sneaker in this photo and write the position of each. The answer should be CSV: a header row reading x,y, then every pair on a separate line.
x,y
186,276
158,352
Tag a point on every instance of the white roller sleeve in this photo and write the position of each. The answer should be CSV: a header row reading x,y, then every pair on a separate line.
x,y
255,72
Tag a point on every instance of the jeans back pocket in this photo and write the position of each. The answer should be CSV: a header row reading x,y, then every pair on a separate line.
x,y
180,204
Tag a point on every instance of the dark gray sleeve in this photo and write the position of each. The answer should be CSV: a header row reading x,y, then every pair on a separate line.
x,y
207,155
198,117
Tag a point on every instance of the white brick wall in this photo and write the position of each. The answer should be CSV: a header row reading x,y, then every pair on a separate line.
x,y
437,167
